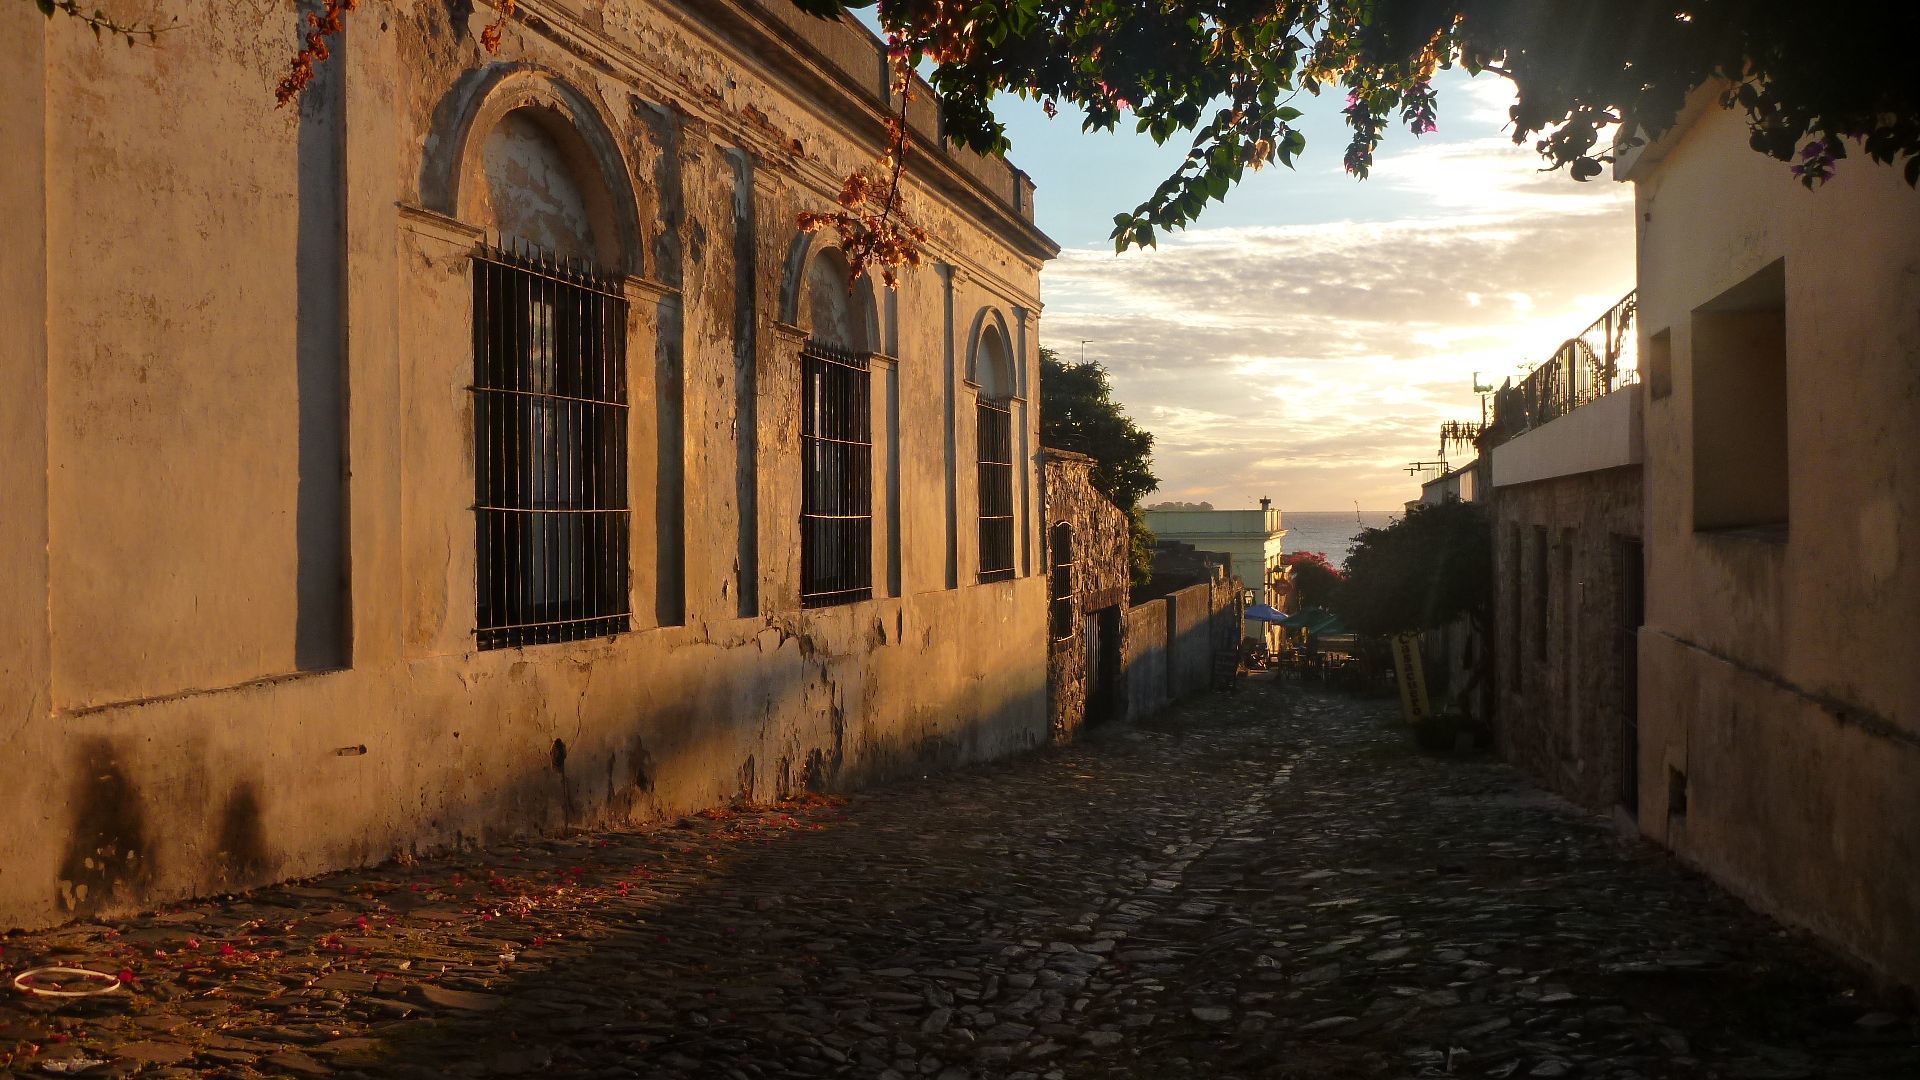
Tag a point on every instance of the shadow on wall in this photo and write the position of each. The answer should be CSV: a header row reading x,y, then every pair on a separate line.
x,y
107,861
122,829
320,632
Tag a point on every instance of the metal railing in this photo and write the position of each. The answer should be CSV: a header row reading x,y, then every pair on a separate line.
x,y
551,516
1588,366
1459,434
836,488
995,441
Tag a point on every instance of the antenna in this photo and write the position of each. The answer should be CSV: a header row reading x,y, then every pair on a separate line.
x,y
1483,391
1084,342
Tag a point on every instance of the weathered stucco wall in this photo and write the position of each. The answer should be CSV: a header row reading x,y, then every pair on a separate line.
x,y
239,451
1780,739
1563,680
1190,641
1144,648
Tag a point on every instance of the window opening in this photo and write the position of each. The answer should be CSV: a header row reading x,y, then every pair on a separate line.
x,y
1739,383
995,438
1060,611
836,494
551,514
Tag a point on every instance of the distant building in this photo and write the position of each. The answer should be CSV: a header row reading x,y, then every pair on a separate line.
x,y
1252,538
1464,484
1177,565
1779,737
1454,654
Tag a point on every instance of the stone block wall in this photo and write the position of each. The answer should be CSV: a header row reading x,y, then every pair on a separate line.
x,y
1563,654
1097,541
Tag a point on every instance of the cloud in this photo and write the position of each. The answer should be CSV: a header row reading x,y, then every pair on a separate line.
x,y
1313,362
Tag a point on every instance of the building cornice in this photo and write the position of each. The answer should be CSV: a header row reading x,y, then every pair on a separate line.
x,y
756,38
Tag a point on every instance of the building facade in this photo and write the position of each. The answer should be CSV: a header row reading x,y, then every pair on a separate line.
x,y
480,447
1568,592
1252,538
1779,741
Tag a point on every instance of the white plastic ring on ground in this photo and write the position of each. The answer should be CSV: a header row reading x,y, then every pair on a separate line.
x,y
103,983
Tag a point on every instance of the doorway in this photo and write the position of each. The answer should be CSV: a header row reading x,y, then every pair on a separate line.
x,y
1106,693
1632,613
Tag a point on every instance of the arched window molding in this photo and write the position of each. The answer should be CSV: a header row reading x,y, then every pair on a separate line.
x,y
837,475
530,161
991,365
454,167
800,284
998,414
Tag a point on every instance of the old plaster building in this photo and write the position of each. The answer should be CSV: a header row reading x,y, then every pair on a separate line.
x,y
479,447
1779,740
1254,539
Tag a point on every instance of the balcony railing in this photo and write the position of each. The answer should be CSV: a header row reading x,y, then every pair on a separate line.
x,y
1588,366
1460,434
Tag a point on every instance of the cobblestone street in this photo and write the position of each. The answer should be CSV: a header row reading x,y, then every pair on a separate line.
x,y
1265,884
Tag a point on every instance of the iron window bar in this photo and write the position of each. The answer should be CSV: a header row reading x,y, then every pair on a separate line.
x,y
552,520
994,435
836,490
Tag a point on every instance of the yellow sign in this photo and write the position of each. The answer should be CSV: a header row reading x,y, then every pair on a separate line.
x,y
1412,678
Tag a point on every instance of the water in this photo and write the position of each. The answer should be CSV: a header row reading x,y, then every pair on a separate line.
x,y
1331,532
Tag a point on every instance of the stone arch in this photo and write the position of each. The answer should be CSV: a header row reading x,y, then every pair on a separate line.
x,y
819,295
990,360
521,127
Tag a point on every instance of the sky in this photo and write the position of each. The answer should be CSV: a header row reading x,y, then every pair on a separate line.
x,y
1305,340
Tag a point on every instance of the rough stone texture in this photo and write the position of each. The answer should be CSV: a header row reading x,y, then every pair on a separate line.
x,y
1100,545
238,554
1565,685
1271,885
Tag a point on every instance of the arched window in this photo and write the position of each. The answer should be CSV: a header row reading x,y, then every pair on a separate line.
x,y
836,439
994,435
550,393
1060,613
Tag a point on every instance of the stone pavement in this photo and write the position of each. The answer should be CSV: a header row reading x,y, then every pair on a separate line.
x,y
1269,884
